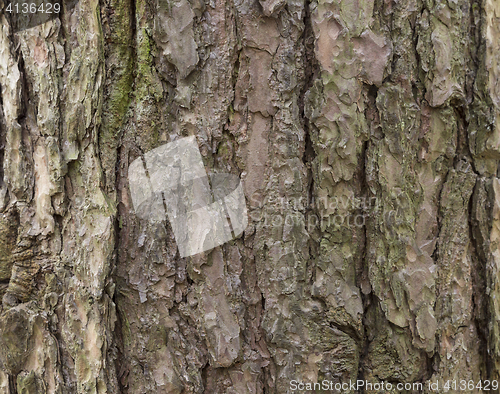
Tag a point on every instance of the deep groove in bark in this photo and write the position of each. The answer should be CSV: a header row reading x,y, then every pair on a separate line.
x,y
479,282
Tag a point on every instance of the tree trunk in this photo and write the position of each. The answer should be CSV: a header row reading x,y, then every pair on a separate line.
x,y
367,138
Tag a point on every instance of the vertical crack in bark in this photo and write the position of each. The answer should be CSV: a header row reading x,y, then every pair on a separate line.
x,y
481,314
311,72
481,310
12,384
26,99
373,120
418,86
119,121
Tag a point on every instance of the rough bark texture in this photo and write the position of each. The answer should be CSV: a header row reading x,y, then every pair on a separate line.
x,y
367,137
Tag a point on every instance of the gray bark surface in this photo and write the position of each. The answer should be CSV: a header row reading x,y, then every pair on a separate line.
x,y
367,137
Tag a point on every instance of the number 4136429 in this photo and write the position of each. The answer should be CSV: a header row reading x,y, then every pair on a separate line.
x,y
32,8
469,385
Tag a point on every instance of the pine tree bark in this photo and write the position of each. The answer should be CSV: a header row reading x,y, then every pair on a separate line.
x,y
367,138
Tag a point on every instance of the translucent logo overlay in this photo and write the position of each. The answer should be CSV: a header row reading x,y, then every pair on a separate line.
x,y
204,211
